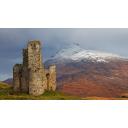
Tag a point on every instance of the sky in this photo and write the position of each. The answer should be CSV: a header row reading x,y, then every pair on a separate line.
x,y
13,40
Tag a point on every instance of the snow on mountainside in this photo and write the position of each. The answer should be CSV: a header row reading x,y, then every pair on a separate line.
x,y
76,53
89,73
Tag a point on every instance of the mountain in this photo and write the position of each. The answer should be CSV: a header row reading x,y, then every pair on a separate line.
x,y
88,73
8,81
76,53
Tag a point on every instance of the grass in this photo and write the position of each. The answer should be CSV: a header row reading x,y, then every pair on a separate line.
x,y
6,93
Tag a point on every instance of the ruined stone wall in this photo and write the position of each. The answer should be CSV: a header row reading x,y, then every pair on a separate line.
x,y
25,57
35,67
31,77
24,80
24,72
36,86
17,77
51,78
34,55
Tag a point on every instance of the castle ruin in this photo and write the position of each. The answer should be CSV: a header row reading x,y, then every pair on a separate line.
x,y
31,77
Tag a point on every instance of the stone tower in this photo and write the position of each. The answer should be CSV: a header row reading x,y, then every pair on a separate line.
x,y
51,77
16,77
31,77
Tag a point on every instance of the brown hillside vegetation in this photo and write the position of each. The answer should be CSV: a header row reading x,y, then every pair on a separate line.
x,y
99,80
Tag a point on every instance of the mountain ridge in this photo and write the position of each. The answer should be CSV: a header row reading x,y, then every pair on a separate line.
x,y
76,53
104,75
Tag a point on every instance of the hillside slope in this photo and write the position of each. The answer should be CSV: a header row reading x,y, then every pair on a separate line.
x,y
90,73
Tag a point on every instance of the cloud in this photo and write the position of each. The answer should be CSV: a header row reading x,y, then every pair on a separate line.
x,y
13,40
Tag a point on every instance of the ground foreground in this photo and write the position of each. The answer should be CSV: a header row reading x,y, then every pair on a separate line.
x,y
6,93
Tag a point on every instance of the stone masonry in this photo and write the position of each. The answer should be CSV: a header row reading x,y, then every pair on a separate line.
x,y
31,77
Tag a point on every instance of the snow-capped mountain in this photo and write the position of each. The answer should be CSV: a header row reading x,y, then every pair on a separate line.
x,y
76,53
84,73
